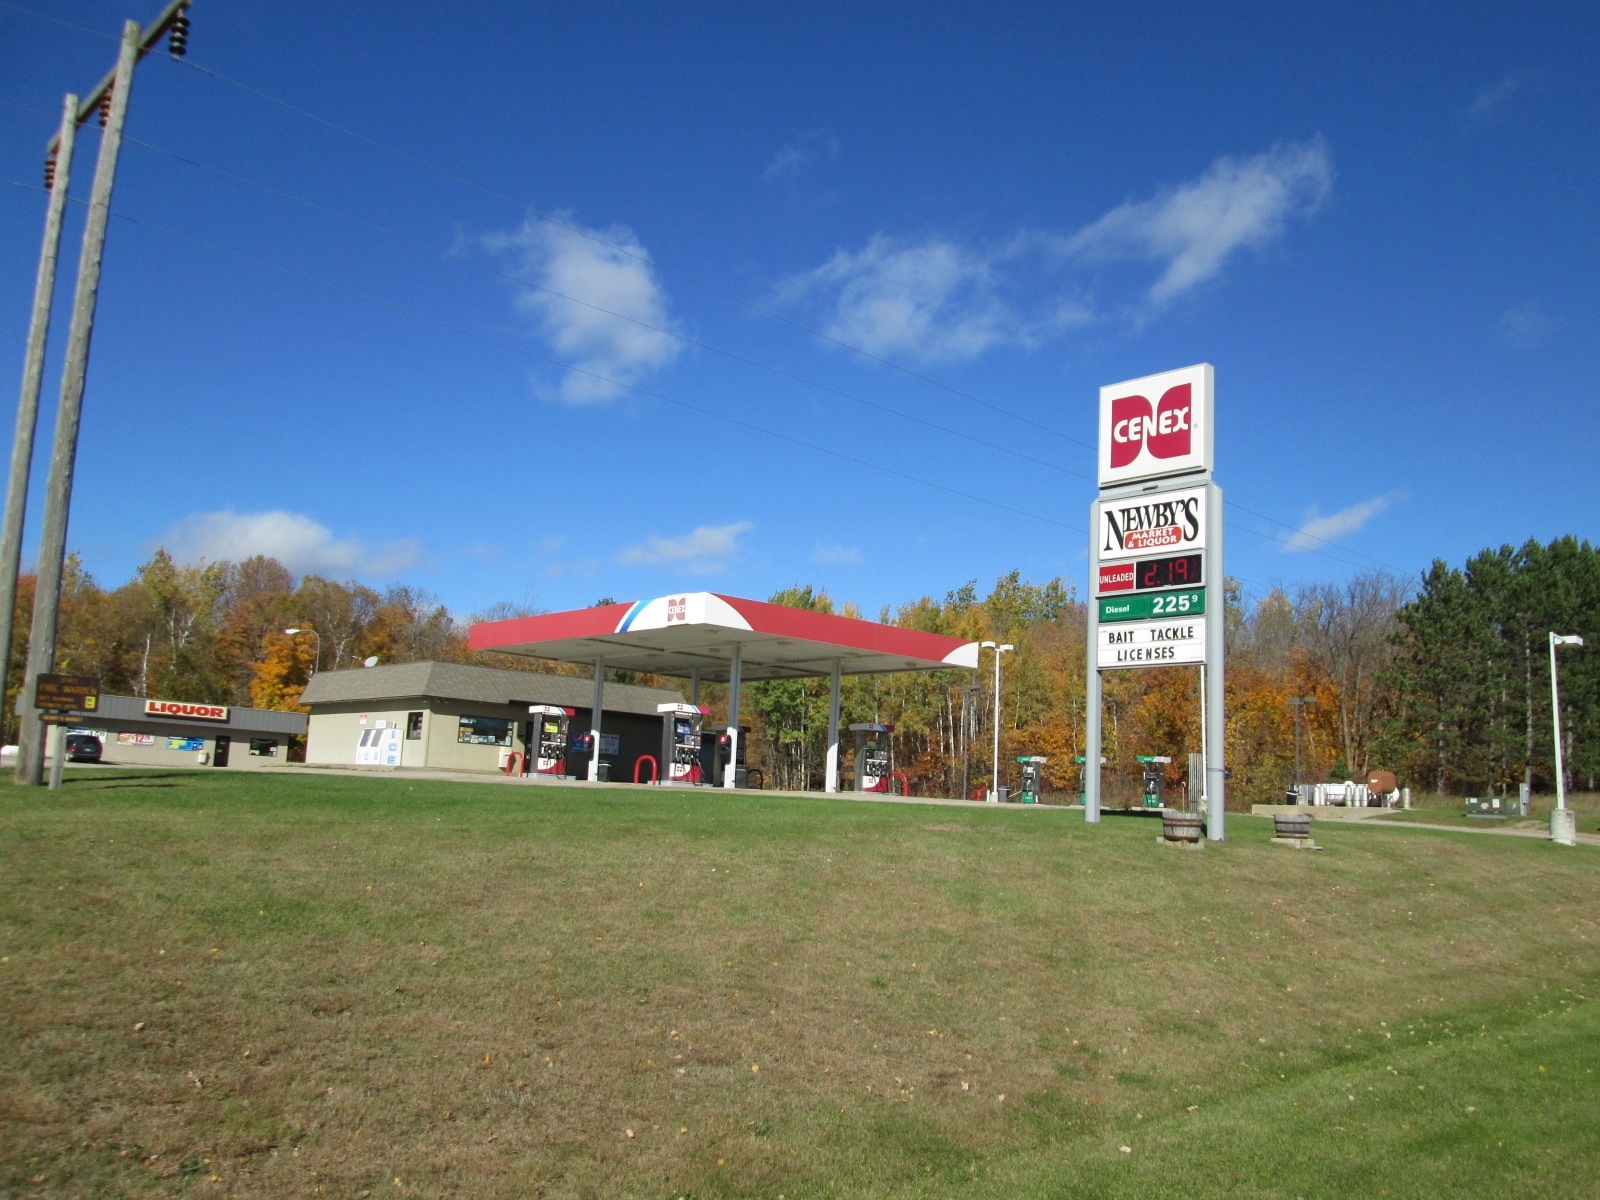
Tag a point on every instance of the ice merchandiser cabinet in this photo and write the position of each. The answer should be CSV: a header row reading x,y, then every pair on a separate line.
x,y
680,743
547,739
872,757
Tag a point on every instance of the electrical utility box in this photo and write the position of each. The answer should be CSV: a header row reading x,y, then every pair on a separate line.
x,y
1032,778
546,738
872,757
680,744
1155,779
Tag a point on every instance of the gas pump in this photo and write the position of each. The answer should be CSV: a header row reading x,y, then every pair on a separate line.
x,y
872,757
545,738
714,755
1155,779
680,743
1032,778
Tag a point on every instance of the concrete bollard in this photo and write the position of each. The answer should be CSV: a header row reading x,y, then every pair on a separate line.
x,y
1564,827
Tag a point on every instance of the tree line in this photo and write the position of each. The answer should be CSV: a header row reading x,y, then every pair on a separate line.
x,y
1445,682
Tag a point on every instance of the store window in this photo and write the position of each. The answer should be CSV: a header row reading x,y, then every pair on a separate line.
x,y
264,747
414,727
484,731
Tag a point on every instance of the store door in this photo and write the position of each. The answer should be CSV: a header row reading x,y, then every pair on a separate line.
x,y
220,758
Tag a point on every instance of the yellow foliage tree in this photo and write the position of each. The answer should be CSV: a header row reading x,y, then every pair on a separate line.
x,y
282,672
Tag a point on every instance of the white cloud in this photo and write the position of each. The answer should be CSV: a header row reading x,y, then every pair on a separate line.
x,y
1490,98
298,542
933,300
939,300
1319,531
830,555
703,550
616,280
813,146
1526,326
1192,230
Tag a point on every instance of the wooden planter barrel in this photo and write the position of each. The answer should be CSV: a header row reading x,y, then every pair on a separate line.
x,y
1292,825
1182,827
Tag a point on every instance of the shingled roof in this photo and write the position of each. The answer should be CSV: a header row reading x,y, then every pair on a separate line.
x,y
479,685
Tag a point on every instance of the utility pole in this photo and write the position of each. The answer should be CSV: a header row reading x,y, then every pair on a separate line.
x,y
1296,702
111,99
57,180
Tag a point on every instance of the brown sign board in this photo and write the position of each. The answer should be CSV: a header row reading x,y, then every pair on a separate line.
x,y
67,693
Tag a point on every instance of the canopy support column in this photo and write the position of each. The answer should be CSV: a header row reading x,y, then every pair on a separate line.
x,y
694,686
594,719
730,774
832,783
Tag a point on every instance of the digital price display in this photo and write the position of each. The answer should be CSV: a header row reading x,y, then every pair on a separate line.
x,y
1182,570
1151,574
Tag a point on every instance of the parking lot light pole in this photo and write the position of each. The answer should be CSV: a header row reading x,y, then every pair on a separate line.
x,y
1297,702
1563,824
999,649
297,630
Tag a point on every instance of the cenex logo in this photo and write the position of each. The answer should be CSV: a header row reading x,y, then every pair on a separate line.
x,y
1165,434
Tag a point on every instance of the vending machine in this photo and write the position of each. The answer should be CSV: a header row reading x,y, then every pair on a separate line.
x,y
714,749
1032,778
680,743
546,739
872,757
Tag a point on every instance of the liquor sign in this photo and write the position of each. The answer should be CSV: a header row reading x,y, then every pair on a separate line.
x,y
1173,522
1151,643
183,711
67,693
1156,427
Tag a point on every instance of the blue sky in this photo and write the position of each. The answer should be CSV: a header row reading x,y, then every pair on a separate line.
x,y
1377,222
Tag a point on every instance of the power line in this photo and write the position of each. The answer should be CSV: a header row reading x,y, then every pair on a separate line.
x,y
36,112
38,16
595,375
699,344
424,165
672,333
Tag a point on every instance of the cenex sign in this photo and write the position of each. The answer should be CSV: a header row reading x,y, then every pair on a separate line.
x,y
1157,426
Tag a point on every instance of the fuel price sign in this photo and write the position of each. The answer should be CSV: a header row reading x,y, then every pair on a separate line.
x,y
1151,574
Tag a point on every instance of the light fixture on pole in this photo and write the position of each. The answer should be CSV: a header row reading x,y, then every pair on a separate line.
x,y
999,649
1563,823
315,634
1297,702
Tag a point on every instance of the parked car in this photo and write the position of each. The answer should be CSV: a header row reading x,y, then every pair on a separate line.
x,y
83,747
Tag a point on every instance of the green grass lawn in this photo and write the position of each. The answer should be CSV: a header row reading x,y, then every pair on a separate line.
x,y
1451,811
274,985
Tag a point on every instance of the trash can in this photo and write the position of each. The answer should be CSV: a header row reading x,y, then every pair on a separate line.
x,y
602,772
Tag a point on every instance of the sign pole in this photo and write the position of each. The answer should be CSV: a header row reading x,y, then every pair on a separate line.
x,y
1092,729
1216,648
58,753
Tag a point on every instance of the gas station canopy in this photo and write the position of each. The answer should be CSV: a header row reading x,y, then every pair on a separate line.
x,y
696,633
